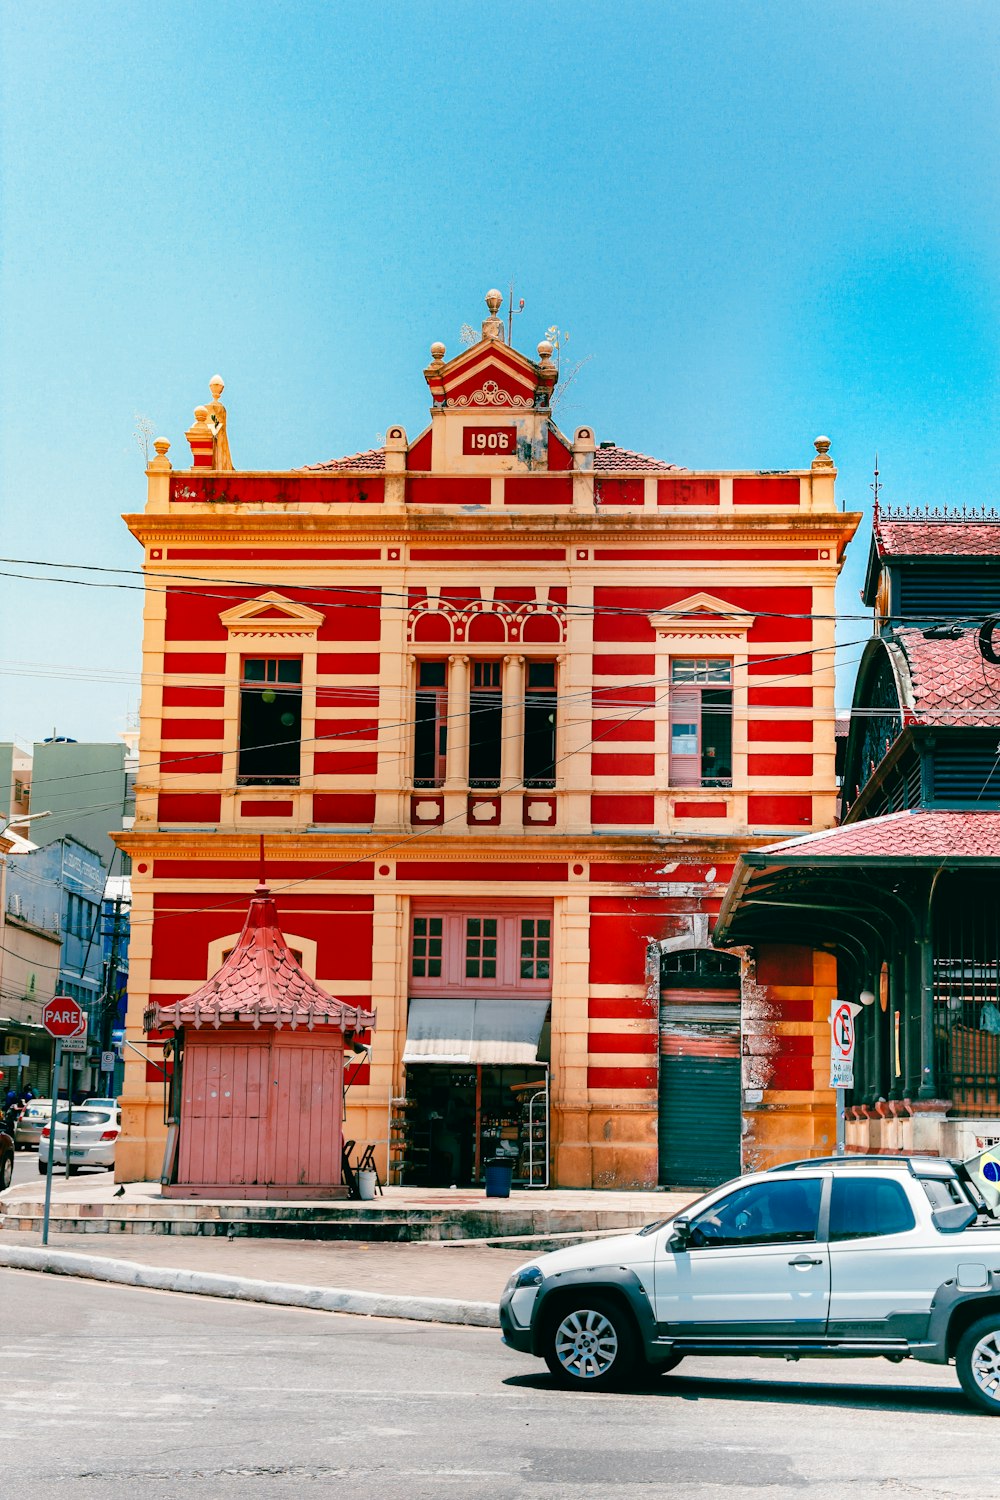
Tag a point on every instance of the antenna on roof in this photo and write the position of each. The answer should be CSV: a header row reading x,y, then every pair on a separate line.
x,y
510,310
876,486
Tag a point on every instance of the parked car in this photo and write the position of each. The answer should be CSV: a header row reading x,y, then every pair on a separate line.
x,y
6,1160
28,1131
101,1103
92,1142
836,1258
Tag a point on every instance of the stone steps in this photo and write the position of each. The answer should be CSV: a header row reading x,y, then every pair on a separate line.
x,y
273,1220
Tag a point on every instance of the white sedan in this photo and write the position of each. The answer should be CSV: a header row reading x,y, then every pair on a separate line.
x,y
92,1142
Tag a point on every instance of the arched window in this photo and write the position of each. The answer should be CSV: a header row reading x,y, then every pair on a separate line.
x,y
699,968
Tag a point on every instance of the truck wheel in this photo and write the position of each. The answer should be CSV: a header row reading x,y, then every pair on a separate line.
x,y
591,1345
977,1361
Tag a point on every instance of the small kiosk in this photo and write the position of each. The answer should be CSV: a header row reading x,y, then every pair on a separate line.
x,y
256,1098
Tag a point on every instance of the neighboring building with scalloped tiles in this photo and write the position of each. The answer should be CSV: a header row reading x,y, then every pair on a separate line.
x,y
907,892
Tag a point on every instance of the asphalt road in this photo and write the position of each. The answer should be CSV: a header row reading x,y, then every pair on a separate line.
x,y
26,1169
112,1393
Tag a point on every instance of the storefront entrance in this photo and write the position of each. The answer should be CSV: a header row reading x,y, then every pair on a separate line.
x,y
455,1119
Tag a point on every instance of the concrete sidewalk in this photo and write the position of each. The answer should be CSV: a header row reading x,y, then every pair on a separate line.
x,y
469,1273
441,1280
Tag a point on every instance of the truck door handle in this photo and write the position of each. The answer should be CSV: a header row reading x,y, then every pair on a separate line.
x,y
806,1260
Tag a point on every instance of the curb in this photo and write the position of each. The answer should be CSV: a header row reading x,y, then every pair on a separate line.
x,y
245,1289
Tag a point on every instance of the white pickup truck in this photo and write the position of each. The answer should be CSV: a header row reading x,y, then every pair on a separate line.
x,y
829,1258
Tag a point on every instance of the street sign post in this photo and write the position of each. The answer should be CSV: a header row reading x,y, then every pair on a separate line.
x,y
63,1017
54,1095
842,1046
842,1034
76,1043
66,1020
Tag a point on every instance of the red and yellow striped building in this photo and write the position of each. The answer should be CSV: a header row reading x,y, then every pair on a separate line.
x,y
506,705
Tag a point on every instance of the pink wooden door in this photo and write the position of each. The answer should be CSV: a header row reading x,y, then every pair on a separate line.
x,y
306,1112
223,1122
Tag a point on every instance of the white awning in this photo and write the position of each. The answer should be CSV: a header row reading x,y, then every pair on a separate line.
x,y
491,1032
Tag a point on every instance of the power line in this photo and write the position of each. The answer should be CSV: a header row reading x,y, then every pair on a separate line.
x,y
453,598
590,694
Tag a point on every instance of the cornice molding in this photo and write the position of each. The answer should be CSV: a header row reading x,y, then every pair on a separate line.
x,y
542,848
489,527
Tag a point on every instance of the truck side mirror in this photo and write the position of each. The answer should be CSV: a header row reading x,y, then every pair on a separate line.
x,y
680,1236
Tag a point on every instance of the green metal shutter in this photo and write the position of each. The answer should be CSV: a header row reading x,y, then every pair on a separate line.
x,y
700,1120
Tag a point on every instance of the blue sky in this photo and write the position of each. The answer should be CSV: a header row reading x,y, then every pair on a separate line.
x,y
761,221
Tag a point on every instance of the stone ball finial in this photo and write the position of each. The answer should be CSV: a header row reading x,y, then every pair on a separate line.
x,y
216,385
162,447
493,301
823,462
437,350
200,413
545,350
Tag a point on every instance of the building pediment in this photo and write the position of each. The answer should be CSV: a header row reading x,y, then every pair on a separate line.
x,y
490,373
703,616
271,614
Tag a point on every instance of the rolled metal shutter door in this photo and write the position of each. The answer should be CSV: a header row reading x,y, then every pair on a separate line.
x,y
700,1105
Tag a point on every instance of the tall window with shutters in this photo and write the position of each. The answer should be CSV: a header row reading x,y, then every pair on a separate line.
x,y
430,728
485,724
701,721
540,724
270,721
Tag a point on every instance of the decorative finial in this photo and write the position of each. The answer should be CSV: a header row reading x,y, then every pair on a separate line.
x,y
262,880
437,352
822,459
545,351
216,385
876,487
493,326
200,413
162,448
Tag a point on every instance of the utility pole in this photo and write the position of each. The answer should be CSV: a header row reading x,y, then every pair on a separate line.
x,y
109,1000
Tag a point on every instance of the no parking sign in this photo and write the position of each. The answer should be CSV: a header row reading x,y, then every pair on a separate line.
x,y
842,1044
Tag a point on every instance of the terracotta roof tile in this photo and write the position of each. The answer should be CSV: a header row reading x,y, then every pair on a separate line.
x,y
608,460
935,835
261,981
923,535
371,461
952,684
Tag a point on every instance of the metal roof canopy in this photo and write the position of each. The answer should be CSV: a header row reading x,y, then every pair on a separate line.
x,y
468,1031
796,892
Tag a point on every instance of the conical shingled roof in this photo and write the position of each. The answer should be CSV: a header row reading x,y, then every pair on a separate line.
x,y
262,983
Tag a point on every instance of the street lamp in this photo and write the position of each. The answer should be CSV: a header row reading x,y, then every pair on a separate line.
x,y
19,818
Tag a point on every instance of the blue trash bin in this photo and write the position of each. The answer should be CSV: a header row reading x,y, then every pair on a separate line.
x,y
499,1173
